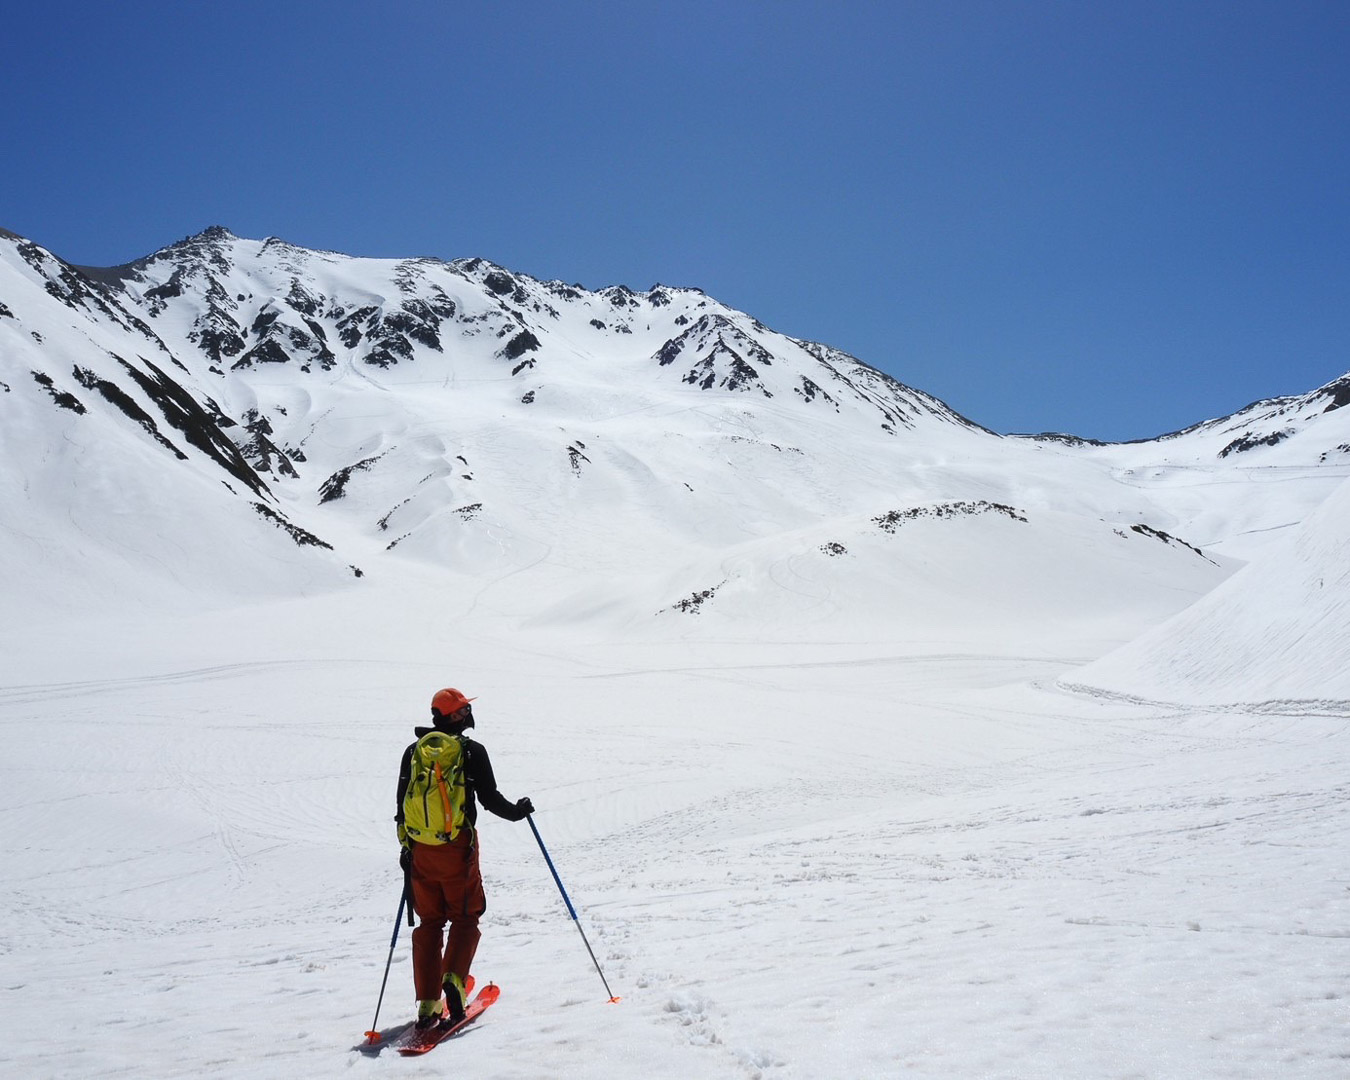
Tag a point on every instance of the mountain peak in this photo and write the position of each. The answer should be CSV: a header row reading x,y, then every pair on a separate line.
x,y
211,237
434,408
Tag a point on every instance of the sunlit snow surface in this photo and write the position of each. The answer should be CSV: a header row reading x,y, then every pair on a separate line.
x,y
861,755
851,857
1274,633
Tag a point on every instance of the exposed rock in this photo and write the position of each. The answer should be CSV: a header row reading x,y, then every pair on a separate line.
x,y
1158,534
302,537
691,605
116,396
64,398
522,343
262,453
335,487
184,413
1252,441
892,520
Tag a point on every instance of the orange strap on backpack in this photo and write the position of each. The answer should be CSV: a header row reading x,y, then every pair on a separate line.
x,y
445,800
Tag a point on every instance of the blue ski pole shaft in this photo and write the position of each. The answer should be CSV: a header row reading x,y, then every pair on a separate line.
x,y
570,909
373,1034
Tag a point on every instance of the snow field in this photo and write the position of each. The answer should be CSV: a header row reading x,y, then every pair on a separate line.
x,y
1275,632
792,861
850,771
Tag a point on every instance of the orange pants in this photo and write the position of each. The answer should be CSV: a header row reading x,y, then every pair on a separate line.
x,y
446,887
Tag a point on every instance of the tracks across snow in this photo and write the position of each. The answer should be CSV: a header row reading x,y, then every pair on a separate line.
x,y
868,864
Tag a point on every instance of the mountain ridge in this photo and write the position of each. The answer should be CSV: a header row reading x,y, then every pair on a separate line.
x,y
474,418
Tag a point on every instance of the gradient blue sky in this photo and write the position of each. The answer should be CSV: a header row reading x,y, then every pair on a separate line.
x,y
1114,219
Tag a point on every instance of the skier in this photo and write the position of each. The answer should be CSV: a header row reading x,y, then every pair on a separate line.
x,y
440,776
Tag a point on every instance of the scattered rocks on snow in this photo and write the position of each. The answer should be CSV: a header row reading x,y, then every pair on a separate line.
x,y
263,454
119,398
335,487
576,457
64,398
809,391
201,428
892,520
1166,538
725,356
383,523
1251,442
691,605
302,537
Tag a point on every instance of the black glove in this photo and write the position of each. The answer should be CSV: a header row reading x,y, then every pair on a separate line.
x,y
405,858
524,808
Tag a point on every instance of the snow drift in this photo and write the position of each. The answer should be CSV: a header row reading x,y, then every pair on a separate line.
x,y
1275,633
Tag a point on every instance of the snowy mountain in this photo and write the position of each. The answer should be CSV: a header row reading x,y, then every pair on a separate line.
x,y
230,417
869,742
312,394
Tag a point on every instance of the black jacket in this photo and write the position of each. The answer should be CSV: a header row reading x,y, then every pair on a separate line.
x,y
479,783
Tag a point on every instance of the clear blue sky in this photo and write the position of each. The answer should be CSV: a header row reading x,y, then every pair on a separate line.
x,y
1111,218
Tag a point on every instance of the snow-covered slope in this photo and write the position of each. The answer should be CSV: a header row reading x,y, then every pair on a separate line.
x,y
241,418
795,860
118,473
1275,633
451,411
790,658
1235,484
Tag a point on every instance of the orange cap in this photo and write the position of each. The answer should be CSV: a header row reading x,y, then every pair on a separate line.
x,y
449,701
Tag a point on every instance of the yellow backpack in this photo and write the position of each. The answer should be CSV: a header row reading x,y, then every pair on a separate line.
x,y
433,805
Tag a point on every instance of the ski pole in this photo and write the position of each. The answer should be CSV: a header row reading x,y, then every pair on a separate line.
x,y
373,1035
570,909
407,890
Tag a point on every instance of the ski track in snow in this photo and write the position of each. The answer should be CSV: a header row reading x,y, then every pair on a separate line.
x,y
927,865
